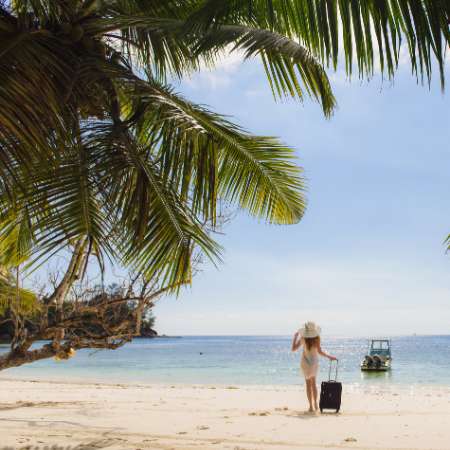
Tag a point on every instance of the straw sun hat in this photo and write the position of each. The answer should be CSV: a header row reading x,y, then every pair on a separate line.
x,y
310,330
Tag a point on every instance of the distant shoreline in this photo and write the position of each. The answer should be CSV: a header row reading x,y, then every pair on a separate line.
x,y
162,336
158,336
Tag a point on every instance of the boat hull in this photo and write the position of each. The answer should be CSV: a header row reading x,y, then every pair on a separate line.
x,y
384,367
378,369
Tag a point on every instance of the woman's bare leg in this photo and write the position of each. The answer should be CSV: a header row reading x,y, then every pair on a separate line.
x,y
309,393
314,393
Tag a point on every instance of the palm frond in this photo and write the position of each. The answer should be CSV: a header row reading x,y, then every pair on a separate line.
x,y
65,204
154,231
51,206
23,301
359,29
35,71
165,46
281,57
16,237
154,43
219,158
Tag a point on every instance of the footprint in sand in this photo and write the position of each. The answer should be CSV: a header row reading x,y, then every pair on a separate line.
x,y
101,443
262,413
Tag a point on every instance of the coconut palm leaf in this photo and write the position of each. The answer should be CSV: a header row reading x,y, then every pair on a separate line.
x,y
12,296
359,29
219,159
284,60
23,301
35,75
151,225
16,238
168,48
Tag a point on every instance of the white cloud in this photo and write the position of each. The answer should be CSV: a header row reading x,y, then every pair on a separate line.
x,y
218,77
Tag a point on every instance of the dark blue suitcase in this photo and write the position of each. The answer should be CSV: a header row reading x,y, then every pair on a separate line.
x,y
331,392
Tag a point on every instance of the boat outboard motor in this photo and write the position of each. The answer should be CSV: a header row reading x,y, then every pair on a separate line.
x,y
377,361
368,360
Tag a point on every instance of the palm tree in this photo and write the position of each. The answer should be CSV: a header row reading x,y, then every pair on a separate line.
x,y
95,145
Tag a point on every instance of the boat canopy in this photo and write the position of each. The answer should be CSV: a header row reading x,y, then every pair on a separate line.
x,y
380,347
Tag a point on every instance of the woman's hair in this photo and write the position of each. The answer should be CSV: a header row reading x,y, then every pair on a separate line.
x,y
312,342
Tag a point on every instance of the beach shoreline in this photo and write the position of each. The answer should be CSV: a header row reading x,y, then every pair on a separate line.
x,y
124,416
353,387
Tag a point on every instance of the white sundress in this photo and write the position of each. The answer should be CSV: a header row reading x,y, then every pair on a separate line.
x,y
309,361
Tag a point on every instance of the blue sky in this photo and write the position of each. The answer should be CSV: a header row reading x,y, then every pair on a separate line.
x,y
368,257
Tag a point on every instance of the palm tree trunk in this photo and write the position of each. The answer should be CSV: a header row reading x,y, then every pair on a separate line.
x,y
72,274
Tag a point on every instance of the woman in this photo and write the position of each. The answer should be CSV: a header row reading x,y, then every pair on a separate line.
x,y
309,338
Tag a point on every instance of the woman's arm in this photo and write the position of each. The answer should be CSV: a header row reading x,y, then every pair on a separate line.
x,y
326,355
296,343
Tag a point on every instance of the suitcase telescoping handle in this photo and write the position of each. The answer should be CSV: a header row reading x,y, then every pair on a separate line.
x,y
329,371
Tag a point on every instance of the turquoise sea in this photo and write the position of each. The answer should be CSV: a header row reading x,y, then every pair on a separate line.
x,y
261,360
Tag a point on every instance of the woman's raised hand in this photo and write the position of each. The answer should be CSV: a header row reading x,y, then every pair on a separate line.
x,y
295,344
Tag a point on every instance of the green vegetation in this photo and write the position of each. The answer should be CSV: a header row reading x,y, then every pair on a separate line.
x,y
33,318
101,157
95,143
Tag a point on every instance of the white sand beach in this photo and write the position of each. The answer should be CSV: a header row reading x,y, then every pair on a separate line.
x,y
131,417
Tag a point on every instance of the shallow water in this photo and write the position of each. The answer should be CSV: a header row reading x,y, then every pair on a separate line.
x,y
262,360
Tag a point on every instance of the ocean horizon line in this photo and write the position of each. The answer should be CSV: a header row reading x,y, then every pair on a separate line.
x,y
325,335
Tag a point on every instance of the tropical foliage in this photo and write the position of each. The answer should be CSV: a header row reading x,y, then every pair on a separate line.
x,y
94,142
12,296
85,316
32,319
